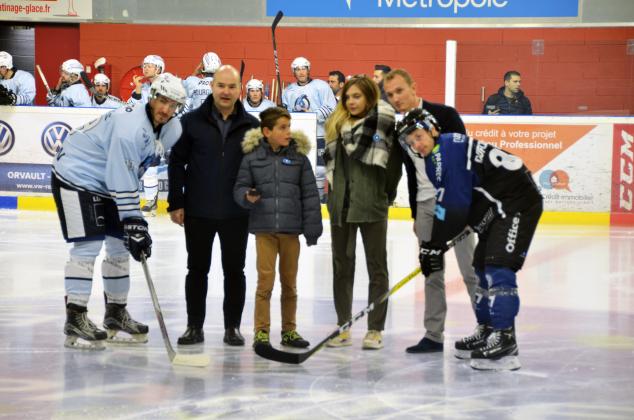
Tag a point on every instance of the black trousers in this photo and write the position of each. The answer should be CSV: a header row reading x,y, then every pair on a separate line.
x,y
199,238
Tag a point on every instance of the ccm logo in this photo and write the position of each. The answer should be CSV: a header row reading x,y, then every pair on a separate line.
x,y
626,193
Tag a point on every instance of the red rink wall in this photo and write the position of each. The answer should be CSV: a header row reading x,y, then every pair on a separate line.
x,y
582,70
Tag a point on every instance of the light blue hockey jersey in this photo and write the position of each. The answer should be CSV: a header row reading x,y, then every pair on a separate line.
x,y
315,96
109,155
197,91
265,104
145,95
74,95
110,102
23,85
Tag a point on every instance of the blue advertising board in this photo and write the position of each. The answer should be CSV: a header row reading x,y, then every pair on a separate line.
x,y
25,177
425,8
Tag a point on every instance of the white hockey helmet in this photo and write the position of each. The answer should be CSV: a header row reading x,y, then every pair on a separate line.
x,y
157,60
255,84
101,79
6,60
169,86
72,66
211,62
300,62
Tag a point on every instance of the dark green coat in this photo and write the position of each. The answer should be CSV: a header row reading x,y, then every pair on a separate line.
x,y
366,191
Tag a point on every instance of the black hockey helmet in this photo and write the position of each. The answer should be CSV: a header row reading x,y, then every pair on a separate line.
x,y
415,119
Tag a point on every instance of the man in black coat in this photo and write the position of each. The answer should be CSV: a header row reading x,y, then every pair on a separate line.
x,y
510,100
202,170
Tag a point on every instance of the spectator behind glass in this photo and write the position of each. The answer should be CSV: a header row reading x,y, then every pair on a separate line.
x,y
380,70
510,100
336,79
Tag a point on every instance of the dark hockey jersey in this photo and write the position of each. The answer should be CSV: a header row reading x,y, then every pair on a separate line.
x,y
475,182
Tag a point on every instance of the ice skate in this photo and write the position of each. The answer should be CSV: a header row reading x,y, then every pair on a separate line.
x,y
150,207
475,341
500,352
117,320
80,332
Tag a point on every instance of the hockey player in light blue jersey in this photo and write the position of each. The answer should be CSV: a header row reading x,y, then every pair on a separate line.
x,y
198,88
311,95
70,91
153,65
95,181
255,100
101,98
18,82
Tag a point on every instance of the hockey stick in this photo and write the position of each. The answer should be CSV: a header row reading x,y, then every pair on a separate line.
x,y
277,19
87,82
39,70
271,353
241,74
196,360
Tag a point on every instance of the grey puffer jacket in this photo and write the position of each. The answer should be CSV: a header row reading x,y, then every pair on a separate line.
x,y
289,201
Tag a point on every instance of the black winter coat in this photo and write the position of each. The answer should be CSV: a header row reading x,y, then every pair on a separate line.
x,y
289,200
519,105
203,168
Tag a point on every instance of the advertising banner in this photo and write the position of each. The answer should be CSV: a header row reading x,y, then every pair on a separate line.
x,y
48,10
425,8
571,163
623,174
29,138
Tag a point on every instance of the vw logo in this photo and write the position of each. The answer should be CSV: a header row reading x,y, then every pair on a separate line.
x,y
7,138
53,136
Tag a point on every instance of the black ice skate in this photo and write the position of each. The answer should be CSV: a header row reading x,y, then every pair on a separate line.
x,y
117,319
500,352
475,341
150,207
80,332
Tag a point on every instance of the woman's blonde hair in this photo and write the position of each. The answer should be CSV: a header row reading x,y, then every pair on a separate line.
x,y
368,89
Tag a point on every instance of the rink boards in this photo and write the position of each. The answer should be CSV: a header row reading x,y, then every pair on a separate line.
x,y
583,165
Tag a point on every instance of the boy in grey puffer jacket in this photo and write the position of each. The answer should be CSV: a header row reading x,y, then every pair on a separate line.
x,y
276,182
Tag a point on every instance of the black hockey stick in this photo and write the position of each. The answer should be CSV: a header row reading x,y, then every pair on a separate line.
x,y
277,19
241,74
196,360
271,353
87,82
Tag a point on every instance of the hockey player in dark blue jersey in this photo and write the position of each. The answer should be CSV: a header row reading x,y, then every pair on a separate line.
x,y
491,191
95,184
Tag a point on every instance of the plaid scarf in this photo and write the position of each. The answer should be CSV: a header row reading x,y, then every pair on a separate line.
x,y
368,140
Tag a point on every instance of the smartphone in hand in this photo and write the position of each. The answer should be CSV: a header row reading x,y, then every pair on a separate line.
x,y
253,193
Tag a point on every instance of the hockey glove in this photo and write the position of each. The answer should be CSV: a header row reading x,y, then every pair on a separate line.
x,y
431,258
50,97
136,237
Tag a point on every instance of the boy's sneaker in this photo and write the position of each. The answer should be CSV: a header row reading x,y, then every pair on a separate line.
x,y
293,339
477,340
342,340
261,337
373,340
